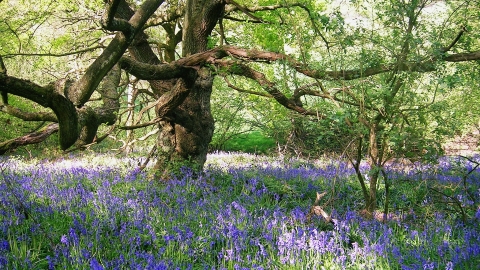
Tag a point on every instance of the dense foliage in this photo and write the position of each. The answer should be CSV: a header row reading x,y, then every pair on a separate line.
x,y
405,65
244,212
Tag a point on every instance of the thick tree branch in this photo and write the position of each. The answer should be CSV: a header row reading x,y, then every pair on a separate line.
x,y
82,89
174,69
463,57
111,104
32,138
28,116
245,71
109,22
152,72
26,89
65,113
172,99
47,96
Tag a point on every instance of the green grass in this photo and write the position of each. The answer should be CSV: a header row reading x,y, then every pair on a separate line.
x,y
253,142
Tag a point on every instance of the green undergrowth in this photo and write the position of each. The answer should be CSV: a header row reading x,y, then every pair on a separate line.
x,y
252,214
253,142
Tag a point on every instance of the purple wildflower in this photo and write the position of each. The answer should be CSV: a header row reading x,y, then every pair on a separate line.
x,y
4,245
64,240
74,236
95,265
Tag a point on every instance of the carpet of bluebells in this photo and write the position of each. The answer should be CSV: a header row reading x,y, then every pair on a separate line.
x,y
243,212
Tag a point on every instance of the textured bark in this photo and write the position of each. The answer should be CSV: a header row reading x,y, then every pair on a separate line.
x,y
82,89
67,120
111,104
28,116
50,96
192,127
32,138
183,91
184,138
201,17
91,118
65,97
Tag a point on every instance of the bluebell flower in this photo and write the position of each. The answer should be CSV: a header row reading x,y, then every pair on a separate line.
x,y
239,208
64,240
4,246
477,214
429,265
168,238
51,262
94,265
73,236
86,254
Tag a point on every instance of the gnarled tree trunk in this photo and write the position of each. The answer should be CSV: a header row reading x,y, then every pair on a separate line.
x,y
186,135
186,126
187,131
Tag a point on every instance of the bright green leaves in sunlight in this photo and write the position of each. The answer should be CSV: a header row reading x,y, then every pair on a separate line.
x,y
35,33
269,38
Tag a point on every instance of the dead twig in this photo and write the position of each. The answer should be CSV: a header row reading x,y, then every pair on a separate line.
x,y
318,210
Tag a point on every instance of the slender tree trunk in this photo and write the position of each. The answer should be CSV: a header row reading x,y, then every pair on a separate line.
x,y
377,153
371,202
130,120
373,153
356,165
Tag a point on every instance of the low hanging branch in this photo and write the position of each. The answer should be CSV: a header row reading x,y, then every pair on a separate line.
x,y
47,96
31,138
65,97
214,56
270,87
229,84
28,116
